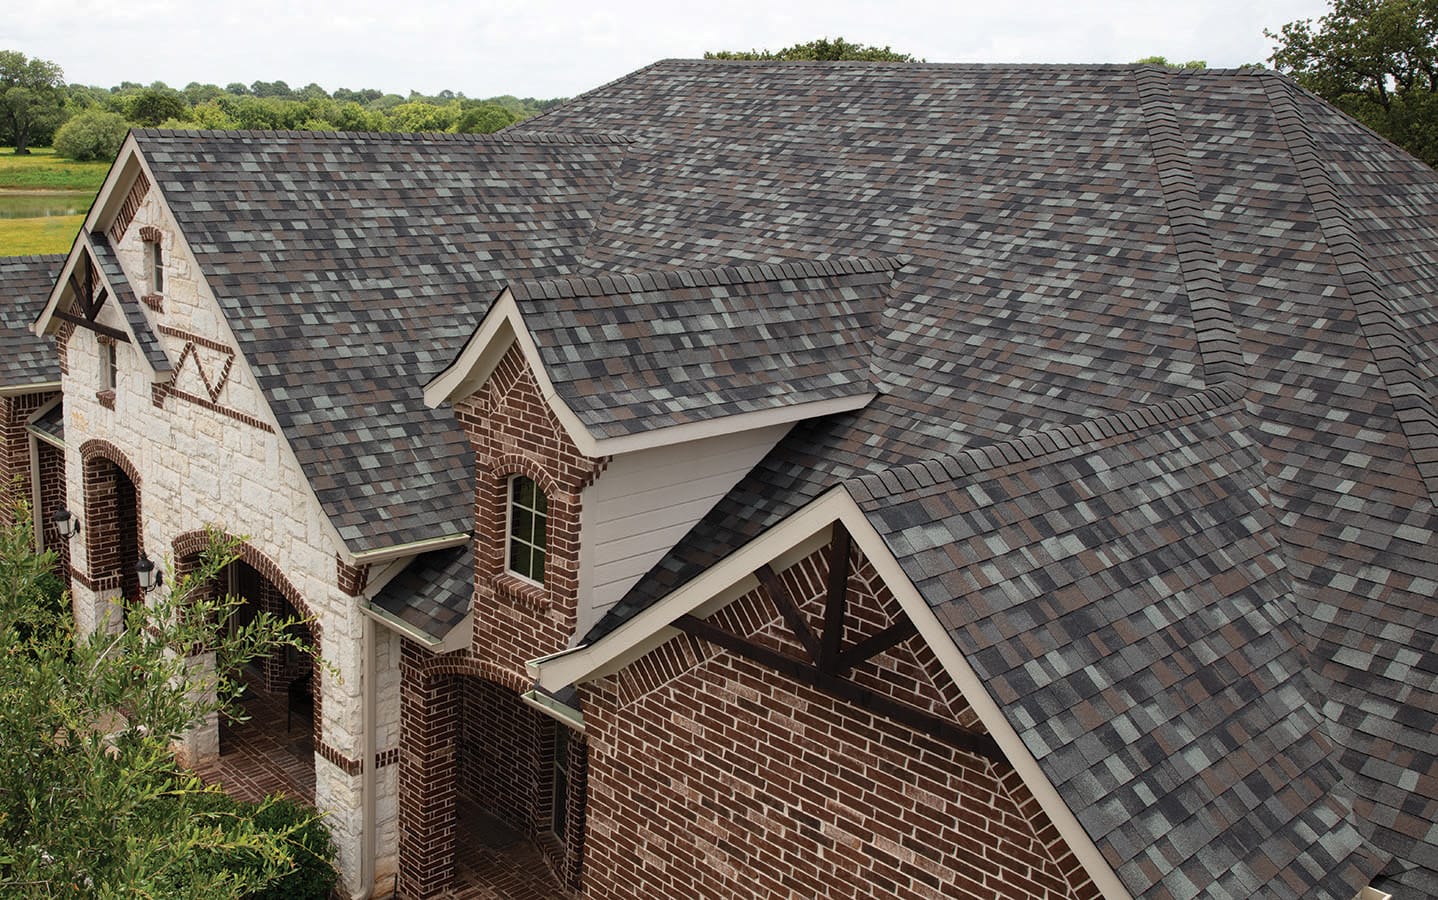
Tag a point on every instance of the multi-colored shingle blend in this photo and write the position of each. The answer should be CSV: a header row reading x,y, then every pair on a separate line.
x,y
433,593
25,283
350,267
1088,242
632,353
1126,602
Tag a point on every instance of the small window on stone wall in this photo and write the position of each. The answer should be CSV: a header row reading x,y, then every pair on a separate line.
x,y
528,519
109,366
156,257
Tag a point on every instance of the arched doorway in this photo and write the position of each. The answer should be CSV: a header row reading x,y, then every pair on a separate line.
x,y
114,539
272,749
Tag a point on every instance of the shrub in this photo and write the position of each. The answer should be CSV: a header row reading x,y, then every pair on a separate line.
x,y
314,876
309,873
93,134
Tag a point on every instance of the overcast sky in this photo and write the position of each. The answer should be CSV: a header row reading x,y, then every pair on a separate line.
x,y
550,48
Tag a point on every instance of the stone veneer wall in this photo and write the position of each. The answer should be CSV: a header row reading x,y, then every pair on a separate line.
x,y
713,776
207,452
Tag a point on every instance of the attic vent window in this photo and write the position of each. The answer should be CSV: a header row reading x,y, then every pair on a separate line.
x,y
528,518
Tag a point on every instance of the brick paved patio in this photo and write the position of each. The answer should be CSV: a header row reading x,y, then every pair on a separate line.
x,y
263,756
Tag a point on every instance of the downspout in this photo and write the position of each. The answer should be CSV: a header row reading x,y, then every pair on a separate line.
x,y
368,744
37,515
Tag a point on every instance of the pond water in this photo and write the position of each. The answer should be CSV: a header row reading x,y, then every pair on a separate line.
x,y
37,204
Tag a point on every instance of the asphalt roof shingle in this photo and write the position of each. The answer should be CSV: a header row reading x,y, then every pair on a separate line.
x,y
350,267
694,345
25,283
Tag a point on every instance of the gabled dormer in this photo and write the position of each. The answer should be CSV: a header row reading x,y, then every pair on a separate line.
x,y
608,414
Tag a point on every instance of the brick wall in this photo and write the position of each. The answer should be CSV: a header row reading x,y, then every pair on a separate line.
x,y
113,538
513,432
52,497
15,450
714,776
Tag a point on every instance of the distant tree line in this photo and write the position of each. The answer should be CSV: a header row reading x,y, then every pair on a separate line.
x,y
36,106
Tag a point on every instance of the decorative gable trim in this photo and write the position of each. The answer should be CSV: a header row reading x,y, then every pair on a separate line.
x,y
150,234
138,191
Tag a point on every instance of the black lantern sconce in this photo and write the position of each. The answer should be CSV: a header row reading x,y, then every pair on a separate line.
x,y
66,524
150,577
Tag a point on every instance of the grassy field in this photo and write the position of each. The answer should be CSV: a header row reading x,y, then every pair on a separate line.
x,y
43,170
50,234
36,192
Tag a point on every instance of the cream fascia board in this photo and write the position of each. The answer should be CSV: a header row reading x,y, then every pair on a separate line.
x,y
398,551
15,390
504,326
650,628
108,201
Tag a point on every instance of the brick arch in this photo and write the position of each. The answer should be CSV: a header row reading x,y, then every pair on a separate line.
x,y
507,464
186,550
111,524
100,448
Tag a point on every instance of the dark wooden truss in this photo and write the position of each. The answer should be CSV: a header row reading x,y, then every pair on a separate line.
x,y
90,297
828,660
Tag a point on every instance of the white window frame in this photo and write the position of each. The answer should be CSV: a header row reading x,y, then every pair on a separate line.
x,y
509,536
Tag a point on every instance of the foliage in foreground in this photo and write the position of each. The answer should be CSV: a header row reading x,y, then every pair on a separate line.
x,y
822,49
92,802
1376,60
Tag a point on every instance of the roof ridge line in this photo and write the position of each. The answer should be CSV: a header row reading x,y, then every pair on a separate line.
x,y
957,66
504,136
1401,374
583,94
1213,323
1057,440
571,286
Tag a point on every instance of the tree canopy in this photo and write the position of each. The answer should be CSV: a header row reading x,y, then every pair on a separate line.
x,y
31,99
822,49
1163,61
92,801
1376,60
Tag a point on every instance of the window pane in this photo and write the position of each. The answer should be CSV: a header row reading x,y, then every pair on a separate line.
x,y
541,502
519,557
539,530
524,491
537,572
521,525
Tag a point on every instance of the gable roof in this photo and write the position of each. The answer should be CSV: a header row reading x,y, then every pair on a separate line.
x,y
25,359
350,267
1086,242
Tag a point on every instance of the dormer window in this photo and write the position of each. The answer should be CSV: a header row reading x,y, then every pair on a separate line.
x,y
528,518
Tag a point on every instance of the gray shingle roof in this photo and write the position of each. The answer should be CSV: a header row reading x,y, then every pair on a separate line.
x,y
1126,602
51,422
25,283
351,267
1086,241
637,352
434,591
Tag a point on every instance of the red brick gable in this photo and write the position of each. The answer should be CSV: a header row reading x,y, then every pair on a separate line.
x,y
734,779
513,431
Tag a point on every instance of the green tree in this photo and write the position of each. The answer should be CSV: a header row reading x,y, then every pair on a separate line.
x,y
154,105
91,135
32,98
1163,61
822,49
485,118
92,803
1376,60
